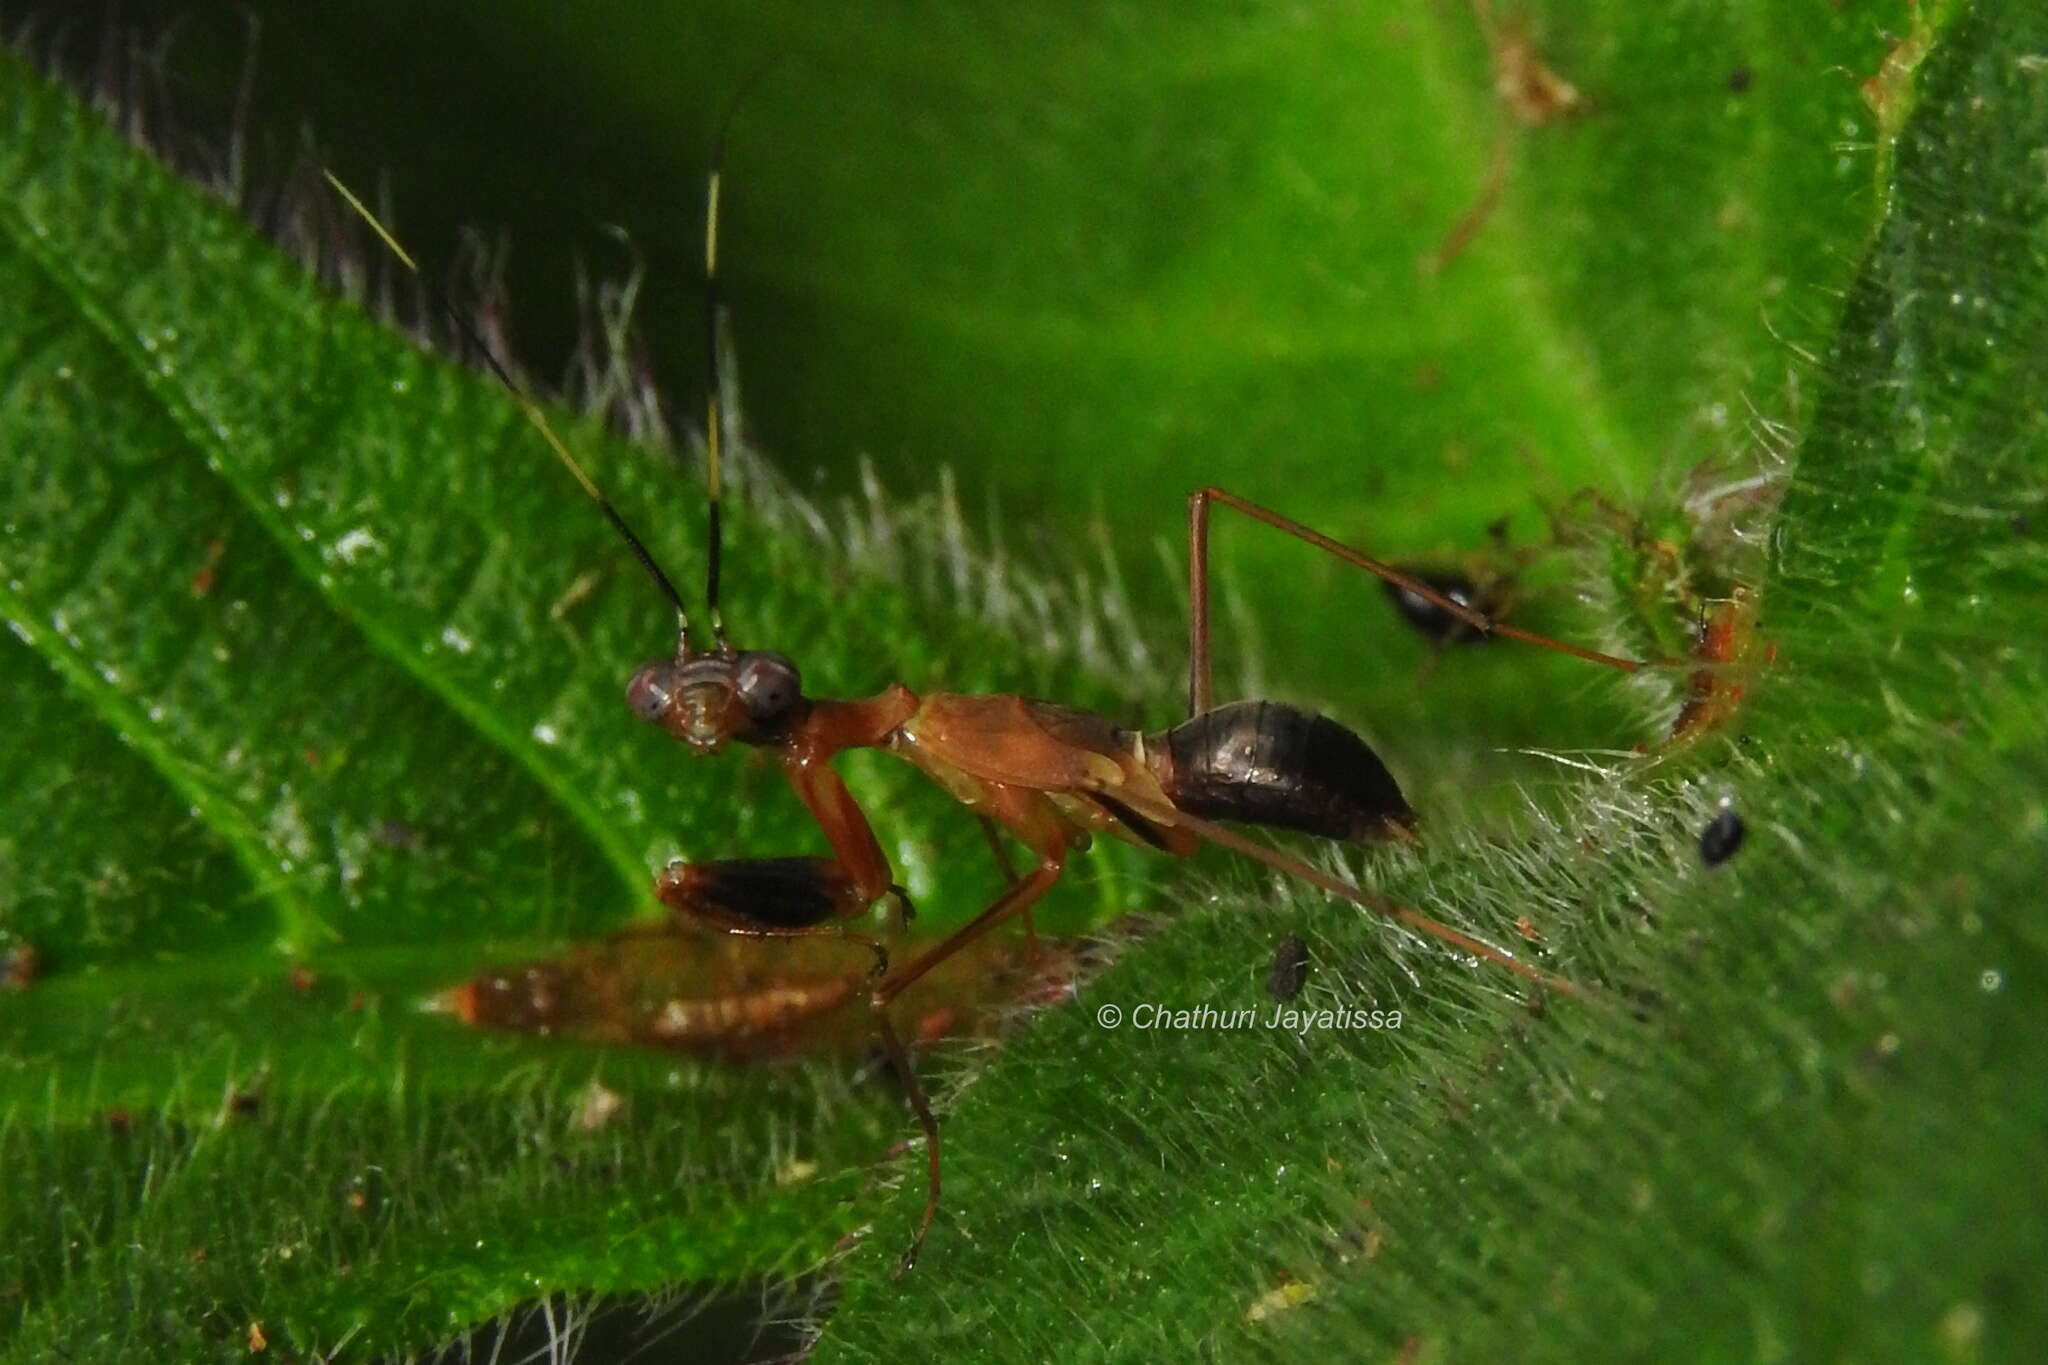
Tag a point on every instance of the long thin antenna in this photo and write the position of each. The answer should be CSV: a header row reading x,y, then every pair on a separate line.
x,y
714,387
714,419
464,325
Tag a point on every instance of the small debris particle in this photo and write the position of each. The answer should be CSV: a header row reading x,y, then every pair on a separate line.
x,y
20,965
1738,79
1962,1329
257,1341
1289,972
598,1108
206,577
398,836
1530,90
1889,91
1288,1296
934,1025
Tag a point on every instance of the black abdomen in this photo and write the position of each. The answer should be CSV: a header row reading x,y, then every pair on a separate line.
x,y
1262,763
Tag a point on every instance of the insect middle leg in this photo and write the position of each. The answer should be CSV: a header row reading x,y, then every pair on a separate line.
x,y
1032,819
1198,591
994,834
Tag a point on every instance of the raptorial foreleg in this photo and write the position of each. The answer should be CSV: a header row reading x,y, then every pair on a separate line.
x,y
770,898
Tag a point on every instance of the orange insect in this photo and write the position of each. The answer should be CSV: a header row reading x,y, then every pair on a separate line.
x,y
1048,775
1728,652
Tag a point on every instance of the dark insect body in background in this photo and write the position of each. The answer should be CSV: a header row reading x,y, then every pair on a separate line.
x,y
1432,620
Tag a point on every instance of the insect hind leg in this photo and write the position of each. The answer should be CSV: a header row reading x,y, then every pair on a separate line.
x,y
1198,591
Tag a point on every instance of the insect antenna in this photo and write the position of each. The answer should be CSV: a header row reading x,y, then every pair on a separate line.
x,y
470,333
715,378
714,417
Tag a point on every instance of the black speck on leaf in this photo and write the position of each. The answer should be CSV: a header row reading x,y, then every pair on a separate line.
x,y
1722,837
1289,972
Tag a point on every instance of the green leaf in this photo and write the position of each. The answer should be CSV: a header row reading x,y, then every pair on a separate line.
x,y
355,736
1812,1065
298,741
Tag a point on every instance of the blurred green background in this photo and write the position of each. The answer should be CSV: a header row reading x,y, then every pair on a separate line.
x,y
1092,256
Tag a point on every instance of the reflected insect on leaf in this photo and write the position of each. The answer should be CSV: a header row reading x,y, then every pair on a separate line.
x,y
743,998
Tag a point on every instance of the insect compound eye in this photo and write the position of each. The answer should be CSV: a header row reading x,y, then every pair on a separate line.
x,y
768,685
648,693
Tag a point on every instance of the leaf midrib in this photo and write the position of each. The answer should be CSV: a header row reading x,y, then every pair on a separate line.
x,y
302,923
